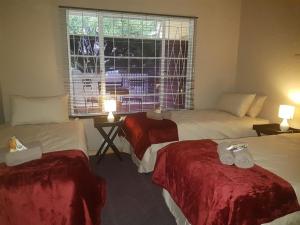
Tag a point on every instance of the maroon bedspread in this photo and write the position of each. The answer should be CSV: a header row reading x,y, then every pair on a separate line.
x,y
58,189
141,132
211,193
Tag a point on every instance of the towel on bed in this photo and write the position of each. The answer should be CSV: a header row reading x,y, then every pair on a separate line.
x,y
158,115
3,152
235,153
243,158
155,115
226,156
33,151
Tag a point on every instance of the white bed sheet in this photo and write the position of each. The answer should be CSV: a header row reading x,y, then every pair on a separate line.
x,y
214,124
279,154
53,137
198,124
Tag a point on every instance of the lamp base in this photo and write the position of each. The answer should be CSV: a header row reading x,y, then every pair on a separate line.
x,y
284,126
110,117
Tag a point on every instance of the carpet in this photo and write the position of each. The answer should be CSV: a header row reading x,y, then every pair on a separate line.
x,y
132,198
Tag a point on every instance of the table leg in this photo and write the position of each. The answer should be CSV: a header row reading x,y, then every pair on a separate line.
x,y
104,141
258,133
113,146
109,140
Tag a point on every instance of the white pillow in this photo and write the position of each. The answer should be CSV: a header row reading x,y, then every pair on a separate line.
x,y
256,106
236,104
38,110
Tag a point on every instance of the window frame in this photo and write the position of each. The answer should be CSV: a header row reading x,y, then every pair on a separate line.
x,y
163,73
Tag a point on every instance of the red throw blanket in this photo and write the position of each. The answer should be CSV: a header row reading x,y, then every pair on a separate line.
x,y
210,193
57,189
141,132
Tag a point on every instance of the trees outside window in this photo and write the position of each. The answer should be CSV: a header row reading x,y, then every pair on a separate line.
x,y
144,62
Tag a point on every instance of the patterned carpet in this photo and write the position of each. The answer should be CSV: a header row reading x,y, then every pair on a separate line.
x,y
132,198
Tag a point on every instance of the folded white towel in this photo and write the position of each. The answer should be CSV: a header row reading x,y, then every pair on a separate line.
x,y
243,159
155,115
3,152
33,152
226,156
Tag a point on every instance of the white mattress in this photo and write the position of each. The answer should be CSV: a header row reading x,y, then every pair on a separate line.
x,y
53,137
199,124
279,154
214,124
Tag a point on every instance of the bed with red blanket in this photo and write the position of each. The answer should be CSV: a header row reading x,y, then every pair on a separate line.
x,y
141,132
202,191
58,188
144,136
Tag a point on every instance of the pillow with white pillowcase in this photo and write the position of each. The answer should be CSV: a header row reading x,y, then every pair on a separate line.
x,y
39,110
256,106
235,103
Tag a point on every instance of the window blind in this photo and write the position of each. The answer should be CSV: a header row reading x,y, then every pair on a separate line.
x,y
144,62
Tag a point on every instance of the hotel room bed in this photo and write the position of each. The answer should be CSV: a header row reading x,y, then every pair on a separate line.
x,y
279,155
191,125
59,188
53,136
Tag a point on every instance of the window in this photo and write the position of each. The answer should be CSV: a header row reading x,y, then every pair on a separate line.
x,y
142,61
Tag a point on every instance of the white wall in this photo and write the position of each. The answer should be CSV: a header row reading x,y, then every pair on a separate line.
x,y
35,54
269,40
1,63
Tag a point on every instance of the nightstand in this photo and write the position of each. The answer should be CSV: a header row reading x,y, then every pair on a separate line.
x,y
99,123
272,129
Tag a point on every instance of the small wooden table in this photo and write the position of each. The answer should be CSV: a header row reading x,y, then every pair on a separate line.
x,y
99,123
272,129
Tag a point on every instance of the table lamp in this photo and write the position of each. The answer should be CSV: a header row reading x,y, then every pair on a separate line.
x,y
110,107
286,112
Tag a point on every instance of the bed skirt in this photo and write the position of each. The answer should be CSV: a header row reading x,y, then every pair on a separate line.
x,y
146,165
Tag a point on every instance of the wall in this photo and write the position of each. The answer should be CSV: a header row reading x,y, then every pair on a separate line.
x,y
269,40
1,64
35,56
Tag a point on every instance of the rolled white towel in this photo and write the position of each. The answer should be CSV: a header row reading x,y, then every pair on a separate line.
x,y
155,115
226,157
33,152
243,159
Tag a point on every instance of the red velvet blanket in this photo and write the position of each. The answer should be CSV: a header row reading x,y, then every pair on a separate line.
x,y
141,132
58,189
210,193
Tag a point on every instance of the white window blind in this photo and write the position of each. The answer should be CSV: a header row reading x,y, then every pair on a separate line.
x,y
144,62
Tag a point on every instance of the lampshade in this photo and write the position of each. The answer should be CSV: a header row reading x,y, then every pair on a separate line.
x,y
286,112
295,96
110,105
